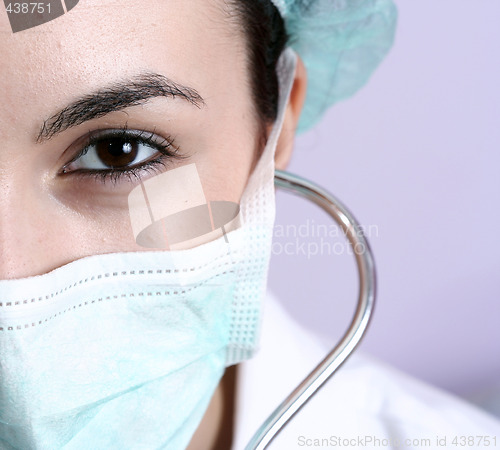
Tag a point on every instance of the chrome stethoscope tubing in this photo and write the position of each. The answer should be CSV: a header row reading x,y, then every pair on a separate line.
x,y
366,270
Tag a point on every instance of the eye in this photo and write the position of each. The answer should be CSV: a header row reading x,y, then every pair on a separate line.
x,y
113,154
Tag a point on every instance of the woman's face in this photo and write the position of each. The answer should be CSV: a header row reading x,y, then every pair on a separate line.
x,y
49,218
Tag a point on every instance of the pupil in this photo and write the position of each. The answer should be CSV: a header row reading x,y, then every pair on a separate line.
x,y
116,153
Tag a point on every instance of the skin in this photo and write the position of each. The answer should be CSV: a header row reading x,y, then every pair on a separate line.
x,y
49,220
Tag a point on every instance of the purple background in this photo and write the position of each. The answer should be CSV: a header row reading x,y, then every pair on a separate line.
x,y
415,156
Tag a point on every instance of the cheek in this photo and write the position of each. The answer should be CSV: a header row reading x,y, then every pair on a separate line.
x,y
222,142
226,174
231,149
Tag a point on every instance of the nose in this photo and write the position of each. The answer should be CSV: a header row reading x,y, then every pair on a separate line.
x,y
28,230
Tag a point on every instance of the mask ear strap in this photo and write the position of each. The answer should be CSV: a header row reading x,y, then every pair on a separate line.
x,y
338,355
263,175
285,70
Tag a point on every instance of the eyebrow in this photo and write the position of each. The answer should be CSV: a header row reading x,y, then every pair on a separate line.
x,y
116,97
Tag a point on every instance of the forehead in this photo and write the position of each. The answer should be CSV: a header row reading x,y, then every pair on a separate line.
x,y
99,42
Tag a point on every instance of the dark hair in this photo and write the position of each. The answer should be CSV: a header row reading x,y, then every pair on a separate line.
x,y
266,37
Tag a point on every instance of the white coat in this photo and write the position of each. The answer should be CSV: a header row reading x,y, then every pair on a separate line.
x,y
365,405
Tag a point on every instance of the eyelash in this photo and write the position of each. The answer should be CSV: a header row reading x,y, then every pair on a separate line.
x,y
136,173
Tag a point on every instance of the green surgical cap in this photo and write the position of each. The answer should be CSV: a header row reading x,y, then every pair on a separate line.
x,y
341,43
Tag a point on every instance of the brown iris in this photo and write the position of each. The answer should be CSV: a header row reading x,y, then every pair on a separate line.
x,y
117,152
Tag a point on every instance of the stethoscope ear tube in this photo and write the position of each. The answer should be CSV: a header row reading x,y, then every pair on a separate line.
x,y
366,300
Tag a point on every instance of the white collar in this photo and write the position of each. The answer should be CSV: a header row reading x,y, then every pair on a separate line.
x,y
287,354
